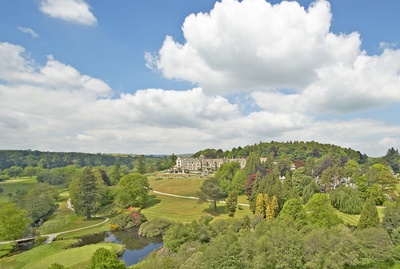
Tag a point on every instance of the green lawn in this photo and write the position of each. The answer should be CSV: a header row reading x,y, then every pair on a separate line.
x,y
64,219
12,185
353,219
185,210
43,256
178,186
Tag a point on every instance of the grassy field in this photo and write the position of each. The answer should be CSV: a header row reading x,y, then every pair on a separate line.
x,y
177,185
64,219
352,220
57,252
12,185
185,210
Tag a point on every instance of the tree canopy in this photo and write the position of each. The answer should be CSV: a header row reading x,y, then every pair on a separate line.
x,y
132,190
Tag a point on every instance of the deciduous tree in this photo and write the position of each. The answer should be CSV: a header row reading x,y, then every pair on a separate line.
x,y
132,190
13,221
105,259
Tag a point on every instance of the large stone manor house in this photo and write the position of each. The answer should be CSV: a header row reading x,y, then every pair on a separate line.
x,y
202,164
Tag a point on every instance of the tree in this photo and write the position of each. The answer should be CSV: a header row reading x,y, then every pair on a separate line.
x,y
115,174
29,171
13,221
391,218
320,212
225,175
210,190
231,203
132,190
346,200
14,171
40,201
272,209
105,259
141,164
260,204
293,208
84,193
369,216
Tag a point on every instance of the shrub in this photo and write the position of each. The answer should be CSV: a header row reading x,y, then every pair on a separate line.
x,y
129,218
154,227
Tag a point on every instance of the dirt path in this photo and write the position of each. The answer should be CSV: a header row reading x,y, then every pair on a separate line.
x,y
188,197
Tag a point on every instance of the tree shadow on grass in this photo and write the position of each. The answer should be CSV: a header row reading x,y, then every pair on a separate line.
x,y
211,211
153,200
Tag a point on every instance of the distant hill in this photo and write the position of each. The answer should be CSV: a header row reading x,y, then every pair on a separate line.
x,y
24,158
292,149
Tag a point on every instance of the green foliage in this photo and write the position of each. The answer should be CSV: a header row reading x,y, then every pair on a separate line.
x,y
225,175
56,266
391,218
58,176
84,193
309,191
132,190
13,221
346,200
280,247
14,171
210,191
155,227
180,233
231,203
40,201
223,252
331,248
293,209
141,165
320,212
369,216
374,244
104,259
128,218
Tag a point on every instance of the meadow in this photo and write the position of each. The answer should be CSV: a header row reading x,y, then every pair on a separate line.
x,y
12,185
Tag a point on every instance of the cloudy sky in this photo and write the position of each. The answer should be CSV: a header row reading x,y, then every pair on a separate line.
x,y
169,76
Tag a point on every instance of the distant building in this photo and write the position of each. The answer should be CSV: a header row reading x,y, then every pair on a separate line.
x,y
202,164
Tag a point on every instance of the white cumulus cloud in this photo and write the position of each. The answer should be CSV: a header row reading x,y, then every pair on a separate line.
x,y
254,46
75,11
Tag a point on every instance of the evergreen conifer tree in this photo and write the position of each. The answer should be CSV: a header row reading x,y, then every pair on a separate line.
x,y
260,204
369,216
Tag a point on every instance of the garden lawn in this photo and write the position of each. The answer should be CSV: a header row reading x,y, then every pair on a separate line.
x,y
12,185
178,186
352,220
186,210
63,219
56,252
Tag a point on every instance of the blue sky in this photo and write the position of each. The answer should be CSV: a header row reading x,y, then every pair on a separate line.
x,y
170,76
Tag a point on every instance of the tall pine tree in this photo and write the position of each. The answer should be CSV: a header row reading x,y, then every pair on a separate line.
x,y
84,192
369,216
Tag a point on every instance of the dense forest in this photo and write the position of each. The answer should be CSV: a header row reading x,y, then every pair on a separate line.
x,y
279,150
